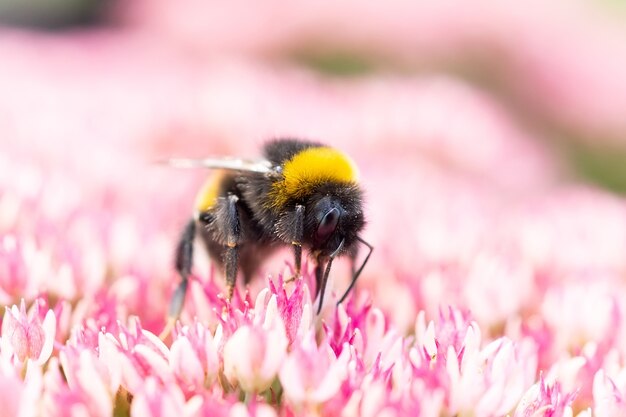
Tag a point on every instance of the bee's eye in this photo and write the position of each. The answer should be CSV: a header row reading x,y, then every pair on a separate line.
x,y
328,224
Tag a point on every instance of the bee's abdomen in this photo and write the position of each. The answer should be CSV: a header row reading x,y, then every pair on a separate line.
x,y
219,184
209,192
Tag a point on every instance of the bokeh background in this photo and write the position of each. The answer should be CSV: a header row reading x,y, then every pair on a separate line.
x,y
491,140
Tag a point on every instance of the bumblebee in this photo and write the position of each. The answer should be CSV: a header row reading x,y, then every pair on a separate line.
x,y
301,194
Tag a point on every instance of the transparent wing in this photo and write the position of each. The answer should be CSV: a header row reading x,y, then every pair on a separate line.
x,y
236,164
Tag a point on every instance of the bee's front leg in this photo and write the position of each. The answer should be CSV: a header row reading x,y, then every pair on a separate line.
x,y
228,215
296,242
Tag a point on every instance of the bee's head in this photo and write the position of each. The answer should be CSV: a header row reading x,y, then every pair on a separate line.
x,y
332,215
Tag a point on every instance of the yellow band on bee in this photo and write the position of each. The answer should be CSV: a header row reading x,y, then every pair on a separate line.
x,y
309,168
208,194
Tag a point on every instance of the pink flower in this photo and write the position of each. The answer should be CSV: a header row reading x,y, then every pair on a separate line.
x,y
574,374
135,355
11,388
366,330
545,400
193,356
26,336
254,353
312,375
609,399
84,393
488,380
20,397
295,310
454,329
374,398
154,400
509,368
583,312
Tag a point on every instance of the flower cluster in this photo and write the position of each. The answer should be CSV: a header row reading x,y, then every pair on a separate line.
x,y
272,357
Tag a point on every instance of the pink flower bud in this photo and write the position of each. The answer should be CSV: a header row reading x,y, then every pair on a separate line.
x,y
185,363
312,374
25,336
253,355
193,356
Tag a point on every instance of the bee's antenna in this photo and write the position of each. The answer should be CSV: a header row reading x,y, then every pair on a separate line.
x,y
358,272
326,272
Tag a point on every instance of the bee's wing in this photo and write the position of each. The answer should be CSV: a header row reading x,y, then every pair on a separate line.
x,y
262,166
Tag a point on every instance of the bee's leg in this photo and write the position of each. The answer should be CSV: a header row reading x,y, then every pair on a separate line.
x,y
319,273
232,233
296,242
184,260
322,269
324,276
